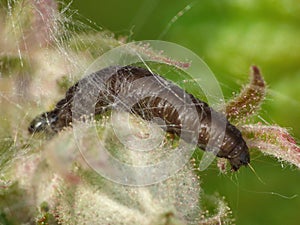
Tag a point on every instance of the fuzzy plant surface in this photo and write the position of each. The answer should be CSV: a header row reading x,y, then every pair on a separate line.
x,y
44,179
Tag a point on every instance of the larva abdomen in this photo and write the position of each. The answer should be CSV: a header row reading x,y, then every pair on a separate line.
x,y
148,95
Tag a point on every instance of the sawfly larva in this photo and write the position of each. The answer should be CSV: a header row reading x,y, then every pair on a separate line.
x,y
153,97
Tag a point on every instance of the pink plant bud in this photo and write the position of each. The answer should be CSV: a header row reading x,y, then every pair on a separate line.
x,y
249,100
31,24
272,140
42,29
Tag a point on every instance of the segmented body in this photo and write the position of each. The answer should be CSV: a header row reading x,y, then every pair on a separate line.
x,y
149,96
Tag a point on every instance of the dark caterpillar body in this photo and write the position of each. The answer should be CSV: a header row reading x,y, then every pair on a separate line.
x,y
150,96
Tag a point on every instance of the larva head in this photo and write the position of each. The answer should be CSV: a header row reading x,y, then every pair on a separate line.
x,y
239,156
42,122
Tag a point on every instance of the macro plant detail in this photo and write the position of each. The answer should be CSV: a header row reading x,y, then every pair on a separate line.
x,y
269,139
45,180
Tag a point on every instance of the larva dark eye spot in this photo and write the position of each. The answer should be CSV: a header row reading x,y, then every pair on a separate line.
x,y
38,124
42,122
125,81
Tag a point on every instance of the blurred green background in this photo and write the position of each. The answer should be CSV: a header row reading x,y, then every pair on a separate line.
x,y
230,36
